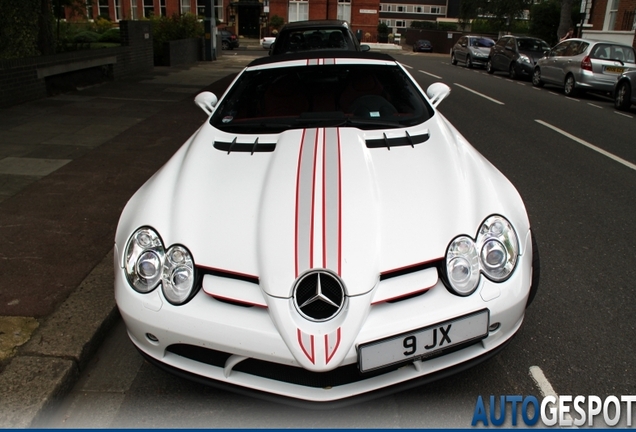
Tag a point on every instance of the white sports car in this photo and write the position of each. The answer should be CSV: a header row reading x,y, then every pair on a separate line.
x,y
325,235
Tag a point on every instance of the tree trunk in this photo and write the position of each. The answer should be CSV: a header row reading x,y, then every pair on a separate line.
x,y
566,18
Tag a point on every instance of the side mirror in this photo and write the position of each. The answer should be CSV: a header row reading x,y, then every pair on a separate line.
x,y
271,49
437,92
206,101
364,48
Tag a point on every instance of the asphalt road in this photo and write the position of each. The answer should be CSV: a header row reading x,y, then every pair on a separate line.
x,y
579,331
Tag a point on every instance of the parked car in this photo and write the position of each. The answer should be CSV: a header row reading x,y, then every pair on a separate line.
x,y
299,244
584,64
316,35
516,55
228,40
267,42
472,50
422,45
624,94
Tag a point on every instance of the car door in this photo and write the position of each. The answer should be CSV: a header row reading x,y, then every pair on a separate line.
x,y
461,48
509,53
497,52
550,67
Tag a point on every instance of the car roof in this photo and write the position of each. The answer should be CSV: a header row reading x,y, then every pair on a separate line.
x,y
322,54
597,41
315,23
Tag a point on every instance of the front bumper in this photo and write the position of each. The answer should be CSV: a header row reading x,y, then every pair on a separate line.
x,y
188,338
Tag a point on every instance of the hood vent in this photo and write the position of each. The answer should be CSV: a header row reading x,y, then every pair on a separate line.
x,y
407,140
251,148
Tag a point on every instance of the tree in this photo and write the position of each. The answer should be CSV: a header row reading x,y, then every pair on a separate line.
x,y
544,20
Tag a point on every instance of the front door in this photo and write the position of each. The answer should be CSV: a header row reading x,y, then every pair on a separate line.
x,y
249,20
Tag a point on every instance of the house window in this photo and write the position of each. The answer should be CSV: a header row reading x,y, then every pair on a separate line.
x,y
418,9
610,15
400,23
162,7
400,8
185,6
89,9
133,9
344,10
103,9
118,16
298,10
149,8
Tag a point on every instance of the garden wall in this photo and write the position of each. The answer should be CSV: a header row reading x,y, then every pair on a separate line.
x,y
25,79
181,52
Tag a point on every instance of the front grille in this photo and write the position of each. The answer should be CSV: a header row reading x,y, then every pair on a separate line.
x,y
294,375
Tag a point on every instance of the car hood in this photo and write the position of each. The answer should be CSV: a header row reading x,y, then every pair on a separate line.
x,y
323,198
483,51
534,56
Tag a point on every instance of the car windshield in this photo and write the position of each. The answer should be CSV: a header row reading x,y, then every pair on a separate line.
x,y
481,43
358,95
613,52
535,45
311,39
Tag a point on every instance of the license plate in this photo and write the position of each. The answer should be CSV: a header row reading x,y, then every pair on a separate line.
x,y
424,342
613,69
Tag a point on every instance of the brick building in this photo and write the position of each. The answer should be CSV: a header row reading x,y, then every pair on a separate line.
x,y
613,20
250,18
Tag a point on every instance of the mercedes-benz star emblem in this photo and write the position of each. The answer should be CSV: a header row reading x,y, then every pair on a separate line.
x,y
319,295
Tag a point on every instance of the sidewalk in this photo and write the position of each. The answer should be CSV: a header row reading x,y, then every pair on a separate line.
x,y
68,165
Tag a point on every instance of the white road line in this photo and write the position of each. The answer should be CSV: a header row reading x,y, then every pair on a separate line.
x,y
595,106
623,114
536,88
406,66
545,388
572,99
553,93
588,145
480,94
430,74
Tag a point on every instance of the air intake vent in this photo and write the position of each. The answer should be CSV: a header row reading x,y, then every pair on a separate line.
x,y
407,140
251,148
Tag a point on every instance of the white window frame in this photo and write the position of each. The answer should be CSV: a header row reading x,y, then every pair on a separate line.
x,y
185,6
611,13
102,5
146,7
344,10
299,11
133,9
118,16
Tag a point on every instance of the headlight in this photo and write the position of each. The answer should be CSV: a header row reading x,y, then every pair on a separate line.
x,y
462,265
524,59
494,253
144,259
499,248
178,275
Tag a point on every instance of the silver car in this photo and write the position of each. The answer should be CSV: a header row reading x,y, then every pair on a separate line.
x,y
472,50
584,64
624,94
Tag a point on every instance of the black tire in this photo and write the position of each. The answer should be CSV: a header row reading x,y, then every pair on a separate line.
x,y
489,68
512,71
623,96
469,62
536,78
453,59
225,45
569,86
536,271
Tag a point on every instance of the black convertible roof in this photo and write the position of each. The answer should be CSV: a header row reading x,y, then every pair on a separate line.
x,y
322,54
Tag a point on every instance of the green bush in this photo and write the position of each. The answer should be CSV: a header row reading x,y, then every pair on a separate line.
x,y
112,35
19,28
425,25
447,26
86,37
176,27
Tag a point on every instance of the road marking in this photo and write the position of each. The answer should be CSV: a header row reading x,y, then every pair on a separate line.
x,y
588,145
553,93
480,94
509,80
595,106
430,74
572,99
536,88
623,114
546,389
406,66
498,77
520,83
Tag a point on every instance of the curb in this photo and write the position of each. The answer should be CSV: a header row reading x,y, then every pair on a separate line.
x,y
47,367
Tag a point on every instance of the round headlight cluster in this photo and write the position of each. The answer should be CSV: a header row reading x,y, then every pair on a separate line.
x,y
494,253
148,264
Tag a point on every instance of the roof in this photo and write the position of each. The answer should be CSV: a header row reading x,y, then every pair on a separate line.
x,y
321,54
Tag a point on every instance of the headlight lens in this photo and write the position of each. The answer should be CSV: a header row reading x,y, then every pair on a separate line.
x,y
494,253
524,58
499,248
462,265
144,258
178,275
